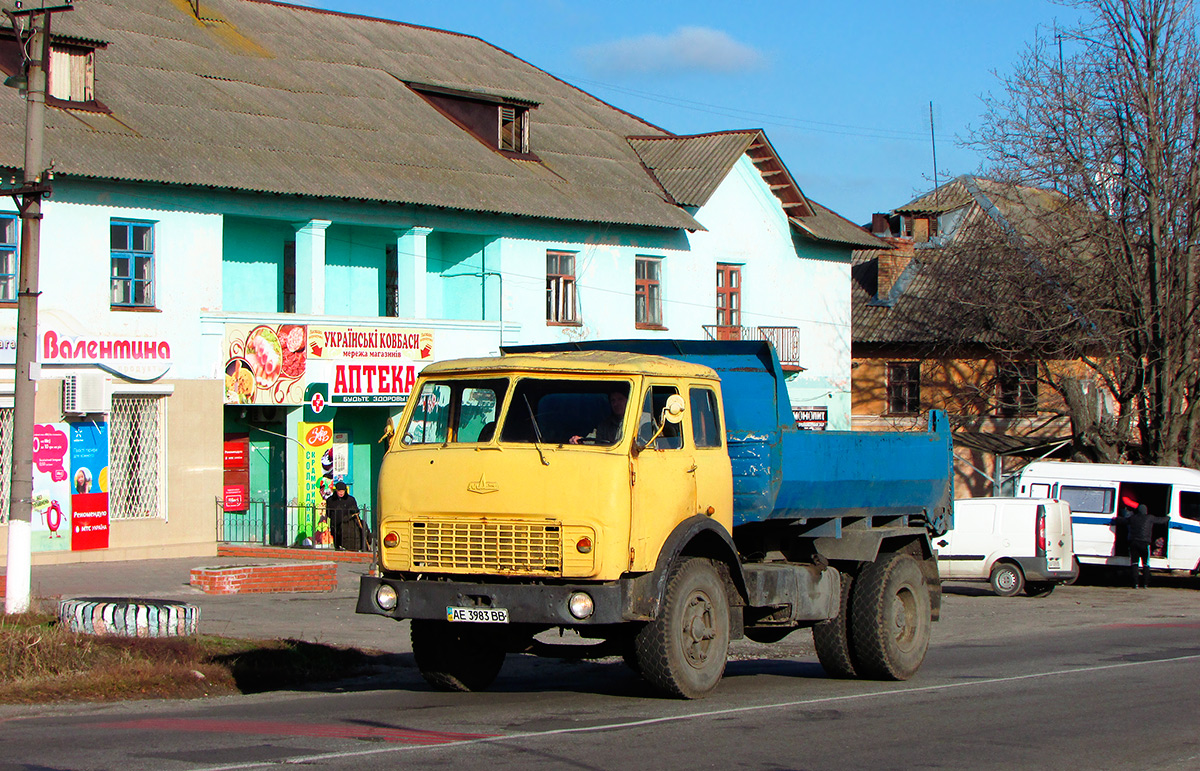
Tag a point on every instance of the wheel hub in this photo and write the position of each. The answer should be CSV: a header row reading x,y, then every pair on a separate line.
x,y
698,629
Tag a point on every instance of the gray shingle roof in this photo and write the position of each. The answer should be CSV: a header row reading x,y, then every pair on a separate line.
x,y
283,99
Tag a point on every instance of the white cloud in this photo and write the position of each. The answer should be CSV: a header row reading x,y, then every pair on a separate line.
x,y
686,49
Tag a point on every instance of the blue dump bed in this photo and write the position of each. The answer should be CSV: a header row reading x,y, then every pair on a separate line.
x,y
817,478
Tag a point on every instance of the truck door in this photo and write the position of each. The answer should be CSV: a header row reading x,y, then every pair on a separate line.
x,y
1184,549
663,478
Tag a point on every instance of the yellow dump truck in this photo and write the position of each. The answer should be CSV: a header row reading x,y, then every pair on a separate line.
x,y
656,497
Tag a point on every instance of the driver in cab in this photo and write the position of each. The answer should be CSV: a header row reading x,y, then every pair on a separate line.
x,y
609,429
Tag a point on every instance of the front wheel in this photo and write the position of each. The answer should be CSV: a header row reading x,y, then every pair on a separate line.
x,y
891,618
1007,579
683,651
456,657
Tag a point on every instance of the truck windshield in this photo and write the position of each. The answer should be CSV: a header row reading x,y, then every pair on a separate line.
x,y
566,411
455,411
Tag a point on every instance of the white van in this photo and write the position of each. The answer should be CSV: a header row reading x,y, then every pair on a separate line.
x,y
1093,491
1016,543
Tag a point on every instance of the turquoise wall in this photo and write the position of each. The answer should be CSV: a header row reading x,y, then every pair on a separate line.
x,y
252,264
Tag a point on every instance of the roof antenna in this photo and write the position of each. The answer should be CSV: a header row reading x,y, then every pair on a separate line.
x,y
195,7
932,143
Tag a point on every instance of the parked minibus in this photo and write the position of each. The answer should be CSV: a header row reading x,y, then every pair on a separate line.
x,y
1093,490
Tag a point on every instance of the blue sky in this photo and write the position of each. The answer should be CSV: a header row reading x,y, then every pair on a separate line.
x,y
842,89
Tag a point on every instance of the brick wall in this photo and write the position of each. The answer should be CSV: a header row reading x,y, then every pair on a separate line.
x,y
241,579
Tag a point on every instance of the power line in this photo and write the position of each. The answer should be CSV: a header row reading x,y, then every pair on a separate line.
x,y
786,121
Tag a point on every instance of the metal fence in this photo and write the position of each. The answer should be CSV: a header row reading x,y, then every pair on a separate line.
x,y
278,524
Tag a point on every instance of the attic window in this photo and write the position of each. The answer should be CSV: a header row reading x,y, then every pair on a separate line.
x,y
72,73
500,122
514,129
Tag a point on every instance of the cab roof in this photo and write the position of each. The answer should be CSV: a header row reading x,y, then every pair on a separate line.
x,y
600,363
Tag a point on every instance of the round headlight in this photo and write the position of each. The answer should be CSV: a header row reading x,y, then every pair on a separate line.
x,y
385,597
584,545
581,605
392,539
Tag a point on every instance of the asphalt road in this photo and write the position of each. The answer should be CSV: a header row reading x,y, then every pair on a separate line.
x,y
1090,677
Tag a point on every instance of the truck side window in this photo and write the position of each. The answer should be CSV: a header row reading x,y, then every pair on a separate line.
x,y
1189,505
469,407
656,400
1092,500
430,421
706,426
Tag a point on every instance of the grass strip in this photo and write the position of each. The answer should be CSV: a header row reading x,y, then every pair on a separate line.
x,y
42,661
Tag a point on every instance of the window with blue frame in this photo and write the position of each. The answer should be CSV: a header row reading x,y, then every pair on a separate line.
x,y
8,257
132,251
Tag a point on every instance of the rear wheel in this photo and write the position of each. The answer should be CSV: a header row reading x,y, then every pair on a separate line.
x,y
1007,579
891,618
454,657
832,637
683,651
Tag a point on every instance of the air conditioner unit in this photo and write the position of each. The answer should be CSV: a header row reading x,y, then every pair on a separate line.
x,y
85,394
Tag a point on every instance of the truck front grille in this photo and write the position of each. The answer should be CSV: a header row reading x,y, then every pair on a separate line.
x,y
466,546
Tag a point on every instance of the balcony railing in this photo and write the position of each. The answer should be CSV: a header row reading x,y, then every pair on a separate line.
x,y
785,339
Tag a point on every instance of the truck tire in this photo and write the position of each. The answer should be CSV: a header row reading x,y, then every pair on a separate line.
x,y
682,652
454,657
891,618
832,638
1007,579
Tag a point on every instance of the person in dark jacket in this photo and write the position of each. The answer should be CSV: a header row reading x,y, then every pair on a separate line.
x,y
344,520
1139,524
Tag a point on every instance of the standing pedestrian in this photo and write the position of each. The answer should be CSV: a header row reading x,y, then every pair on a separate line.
x,y
1140,527
344,519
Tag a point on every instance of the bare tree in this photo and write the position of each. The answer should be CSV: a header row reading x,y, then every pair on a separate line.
x,y
1103,271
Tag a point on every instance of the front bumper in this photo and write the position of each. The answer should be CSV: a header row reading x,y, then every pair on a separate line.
x,y
525,603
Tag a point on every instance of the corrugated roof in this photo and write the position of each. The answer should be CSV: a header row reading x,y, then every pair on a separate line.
x,y
916,312
948,197
691,167
826,225
274,98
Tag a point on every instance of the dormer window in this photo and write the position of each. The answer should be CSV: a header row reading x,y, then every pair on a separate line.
x,y
501,122
72,73
514,128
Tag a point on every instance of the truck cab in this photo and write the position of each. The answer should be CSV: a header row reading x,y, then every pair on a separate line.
x,y
538,467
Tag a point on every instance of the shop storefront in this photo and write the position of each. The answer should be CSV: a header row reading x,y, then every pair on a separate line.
x,y
308,406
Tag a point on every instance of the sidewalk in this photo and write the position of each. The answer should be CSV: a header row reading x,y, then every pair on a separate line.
x,y
326,617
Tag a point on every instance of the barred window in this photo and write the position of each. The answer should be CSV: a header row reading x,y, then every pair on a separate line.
x,y
6,443
137,457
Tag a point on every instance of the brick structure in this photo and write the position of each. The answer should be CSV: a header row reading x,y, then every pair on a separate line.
x,y
242,579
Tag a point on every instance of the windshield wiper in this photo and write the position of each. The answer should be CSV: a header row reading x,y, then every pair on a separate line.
x,y
537,432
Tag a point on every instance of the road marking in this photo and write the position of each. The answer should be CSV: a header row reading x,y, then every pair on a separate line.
x,y
269,728
491,739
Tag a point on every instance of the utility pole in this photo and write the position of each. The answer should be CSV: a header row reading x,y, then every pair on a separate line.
x,y
35,52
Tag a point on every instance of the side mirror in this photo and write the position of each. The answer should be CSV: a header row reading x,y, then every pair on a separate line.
x,y
674,409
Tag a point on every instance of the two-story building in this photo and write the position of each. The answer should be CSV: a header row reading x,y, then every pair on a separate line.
x,y
298,222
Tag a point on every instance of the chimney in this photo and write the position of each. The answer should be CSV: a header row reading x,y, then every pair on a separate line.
x,y
892,263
